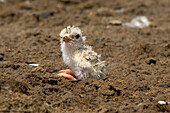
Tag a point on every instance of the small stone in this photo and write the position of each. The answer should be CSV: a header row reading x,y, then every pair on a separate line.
x,y
115,22
161,102
45,14
104,12
151,61
34,64
47,105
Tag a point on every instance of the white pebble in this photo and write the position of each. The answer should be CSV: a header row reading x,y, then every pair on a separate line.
x,y
138,22
34,64
161,102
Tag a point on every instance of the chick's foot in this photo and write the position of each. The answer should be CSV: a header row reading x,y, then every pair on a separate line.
x,y
67,74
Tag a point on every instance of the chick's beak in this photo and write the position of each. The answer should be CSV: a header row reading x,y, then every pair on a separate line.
x,y
67,39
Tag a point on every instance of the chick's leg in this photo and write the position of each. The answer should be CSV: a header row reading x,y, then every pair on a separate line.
x,y
67,74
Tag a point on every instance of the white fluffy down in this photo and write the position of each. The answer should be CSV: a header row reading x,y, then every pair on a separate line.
x,y
82,60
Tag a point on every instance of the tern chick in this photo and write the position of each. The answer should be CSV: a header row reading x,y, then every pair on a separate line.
x,y
81,59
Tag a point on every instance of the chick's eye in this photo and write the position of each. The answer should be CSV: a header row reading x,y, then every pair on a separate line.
x,y
61,37
77,36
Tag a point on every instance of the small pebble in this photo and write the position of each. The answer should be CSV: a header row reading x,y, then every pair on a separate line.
x,y
34,64
115,22
161,102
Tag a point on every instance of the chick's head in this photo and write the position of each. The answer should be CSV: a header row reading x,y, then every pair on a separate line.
x,y
72,35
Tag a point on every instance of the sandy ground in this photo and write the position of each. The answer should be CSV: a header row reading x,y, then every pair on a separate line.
x,y
137,60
